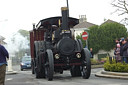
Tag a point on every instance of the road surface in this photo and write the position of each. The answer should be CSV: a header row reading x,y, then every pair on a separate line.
x,y
26,78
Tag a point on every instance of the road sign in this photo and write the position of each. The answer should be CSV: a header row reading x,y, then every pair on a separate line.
x,y
85,35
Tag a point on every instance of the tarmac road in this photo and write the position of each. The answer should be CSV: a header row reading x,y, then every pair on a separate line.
x,y
26,78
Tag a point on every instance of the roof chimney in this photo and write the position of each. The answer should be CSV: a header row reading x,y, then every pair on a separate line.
x,y
82,18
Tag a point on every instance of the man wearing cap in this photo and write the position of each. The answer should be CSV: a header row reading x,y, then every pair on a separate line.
x,y
125,50
121,47
3,55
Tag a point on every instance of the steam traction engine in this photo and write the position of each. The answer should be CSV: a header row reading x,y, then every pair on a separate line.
x,y
53,48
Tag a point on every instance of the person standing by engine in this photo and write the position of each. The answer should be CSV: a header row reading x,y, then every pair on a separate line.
x,y
3,55
115,49
91,51
117,53
121,49
125,50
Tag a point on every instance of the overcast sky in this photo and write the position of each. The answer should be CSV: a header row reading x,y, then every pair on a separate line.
x,y
20,14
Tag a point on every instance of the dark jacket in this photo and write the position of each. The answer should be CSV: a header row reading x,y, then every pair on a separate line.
x,y
3,54
125,50
121,50
91,54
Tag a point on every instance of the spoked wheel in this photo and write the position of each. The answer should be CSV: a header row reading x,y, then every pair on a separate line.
x,y
39,62
49,65
40,70
35,63
86,67
33,67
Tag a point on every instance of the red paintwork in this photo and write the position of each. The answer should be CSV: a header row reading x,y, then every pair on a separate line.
x,y
69,64
35,35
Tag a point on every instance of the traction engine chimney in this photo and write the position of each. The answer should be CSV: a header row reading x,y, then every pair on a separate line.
x,y
64,18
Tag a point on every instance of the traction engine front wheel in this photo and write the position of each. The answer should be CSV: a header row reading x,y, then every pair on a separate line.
x,y
49,65
86,67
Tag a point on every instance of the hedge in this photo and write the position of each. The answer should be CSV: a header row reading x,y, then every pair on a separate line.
x,y
115,67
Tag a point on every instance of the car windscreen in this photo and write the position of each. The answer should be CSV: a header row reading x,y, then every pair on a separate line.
x,y
26,59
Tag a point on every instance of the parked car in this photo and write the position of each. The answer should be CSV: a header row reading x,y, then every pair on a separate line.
x,y
25,62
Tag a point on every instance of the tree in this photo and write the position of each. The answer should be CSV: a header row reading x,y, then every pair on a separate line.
x,y
110,32
25,43
103,37
94,38
24,33
20,43
122,8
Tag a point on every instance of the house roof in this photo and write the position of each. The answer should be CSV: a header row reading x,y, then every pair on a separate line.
x,y
84,25
111,21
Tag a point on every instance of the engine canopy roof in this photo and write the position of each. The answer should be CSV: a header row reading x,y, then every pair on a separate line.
x,y
55,21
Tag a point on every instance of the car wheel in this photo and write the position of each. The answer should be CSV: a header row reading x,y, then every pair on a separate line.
x,y
21,69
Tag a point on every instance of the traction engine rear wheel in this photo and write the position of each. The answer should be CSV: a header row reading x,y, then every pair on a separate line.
x,y
41,65
33,67
39,68
35,59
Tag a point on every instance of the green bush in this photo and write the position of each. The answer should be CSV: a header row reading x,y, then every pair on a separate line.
x,y
94,62
115,67
97,62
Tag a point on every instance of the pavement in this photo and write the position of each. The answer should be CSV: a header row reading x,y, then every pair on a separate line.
x,y
115,75
11,72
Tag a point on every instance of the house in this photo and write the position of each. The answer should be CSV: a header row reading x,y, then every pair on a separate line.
x,y
111,21
82,26
2,40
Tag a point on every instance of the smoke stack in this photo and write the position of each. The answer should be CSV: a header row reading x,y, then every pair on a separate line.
x,y
64,18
